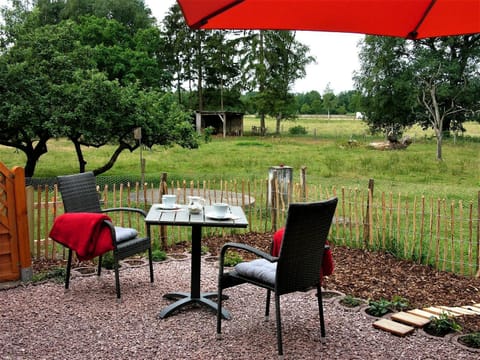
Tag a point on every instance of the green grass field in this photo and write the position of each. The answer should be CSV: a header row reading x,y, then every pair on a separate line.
x,y
331,159
336,154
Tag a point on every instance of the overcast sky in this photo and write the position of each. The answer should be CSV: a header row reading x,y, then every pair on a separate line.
x,y
336,55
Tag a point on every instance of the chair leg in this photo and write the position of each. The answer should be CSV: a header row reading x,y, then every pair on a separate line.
x,y
150,263
99,269
219,311
320,311
69,265
279,325
267,305
117,275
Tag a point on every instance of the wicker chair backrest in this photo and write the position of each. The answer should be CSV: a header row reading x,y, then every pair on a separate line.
x,y
79,192
301,254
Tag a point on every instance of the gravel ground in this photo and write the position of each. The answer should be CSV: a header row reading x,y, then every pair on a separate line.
x,y
44,322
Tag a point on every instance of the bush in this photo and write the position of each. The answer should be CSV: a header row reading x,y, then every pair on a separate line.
x,y
379,307
158,255
398,303
232,258
107,260
383,306
297,130
471,340
442,325
207,134
350,301
55,274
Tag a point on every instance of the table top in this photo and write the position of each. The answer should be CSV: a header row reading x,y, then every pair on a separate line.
x,y
181,216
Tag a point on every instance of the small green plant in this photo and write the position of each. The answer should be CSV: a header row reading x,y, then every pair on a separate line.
x,y
471,340
398,303
350,301
297,130
379,307
383,306
442,325
232,258
207,134
158,255
55,274
107,260
203,250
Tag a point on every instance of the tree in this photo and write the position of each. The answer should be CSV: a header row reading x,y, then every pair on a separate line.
x,y
329,99
285,61
30,71
254,71
87,80
447,74
431,82
349,101
386,84
178,50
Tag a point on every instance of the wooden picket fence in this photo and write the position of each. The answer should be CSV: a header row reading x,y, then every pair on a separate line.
x,y
436,232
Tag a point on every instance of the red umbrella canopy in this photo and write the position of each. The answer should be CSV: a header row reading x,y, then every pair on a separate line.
x,y
413,19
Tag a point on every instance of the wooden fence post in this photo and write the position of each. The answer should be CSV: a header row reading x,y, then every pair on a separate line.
x,y
303,182
367,224
163,229
21,215
478,236
273,199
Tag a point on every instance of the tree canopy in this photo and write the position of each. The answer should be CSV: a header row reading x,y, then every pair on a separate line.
x,y
67,71
431,82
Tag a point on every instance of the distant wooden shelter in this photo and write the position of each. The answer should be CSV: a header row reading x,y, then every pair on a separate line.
x,y
224,122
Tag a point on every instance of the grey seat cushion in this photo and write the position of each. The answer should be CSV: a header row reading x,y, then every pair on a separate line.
x,y
261,269
123,233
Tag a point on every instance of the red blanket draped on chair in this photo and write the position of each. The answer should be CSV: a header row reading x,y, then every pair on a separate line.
x,y
327,264
85,233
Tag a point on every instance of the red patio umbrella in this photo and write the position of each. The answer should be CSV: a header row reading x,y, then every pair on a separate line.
x,y
412,19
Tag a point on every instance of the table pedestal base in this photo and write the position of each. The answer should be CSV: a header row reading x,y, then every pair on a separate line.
x,y
184,299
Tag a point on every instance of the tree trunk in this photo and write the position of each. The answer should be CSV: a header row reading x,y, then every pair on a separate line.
x,y
438,121
80,158
200,74
122,146
262,121
33,154
277,127
439,145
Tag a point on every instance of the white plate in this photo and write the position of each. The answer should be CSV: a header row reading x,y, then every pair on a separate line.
x,y
164,207
216,217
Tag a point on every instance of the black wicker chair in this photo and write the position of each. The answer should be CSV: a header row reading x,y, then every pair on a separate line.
x,y
296,269
79,194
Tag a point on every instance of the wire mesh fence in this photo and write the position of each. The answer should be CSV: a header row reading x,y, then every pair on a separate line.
x,y
440,233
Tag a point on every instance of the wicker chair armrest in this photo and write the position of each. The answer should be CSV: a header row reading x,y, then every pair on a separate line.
x,y
127,209
248,248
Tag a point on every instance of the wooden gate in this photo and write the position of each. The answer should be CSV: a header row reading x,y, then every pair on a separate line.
x,y
15,260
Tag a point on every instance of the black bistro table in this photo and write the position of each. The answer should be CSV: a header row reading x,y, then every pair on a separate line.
x,y
181,217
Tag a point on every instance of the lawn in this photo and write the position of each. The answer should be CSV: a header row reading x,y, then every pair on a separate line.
x,y
334,151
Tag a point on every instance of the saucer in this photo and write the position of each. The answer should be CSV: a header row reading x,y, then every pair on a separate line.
x,y
217,217
168,207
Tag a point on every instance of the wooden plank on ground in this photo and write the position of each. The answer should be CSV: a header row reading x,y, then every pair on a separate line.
x,y
458,310
393,327
439,311
423,313
410,319
472,308
476,306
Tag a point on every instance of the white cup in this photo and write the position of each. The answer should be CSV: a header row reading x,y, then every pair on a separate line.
x,y
220,210
169,201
